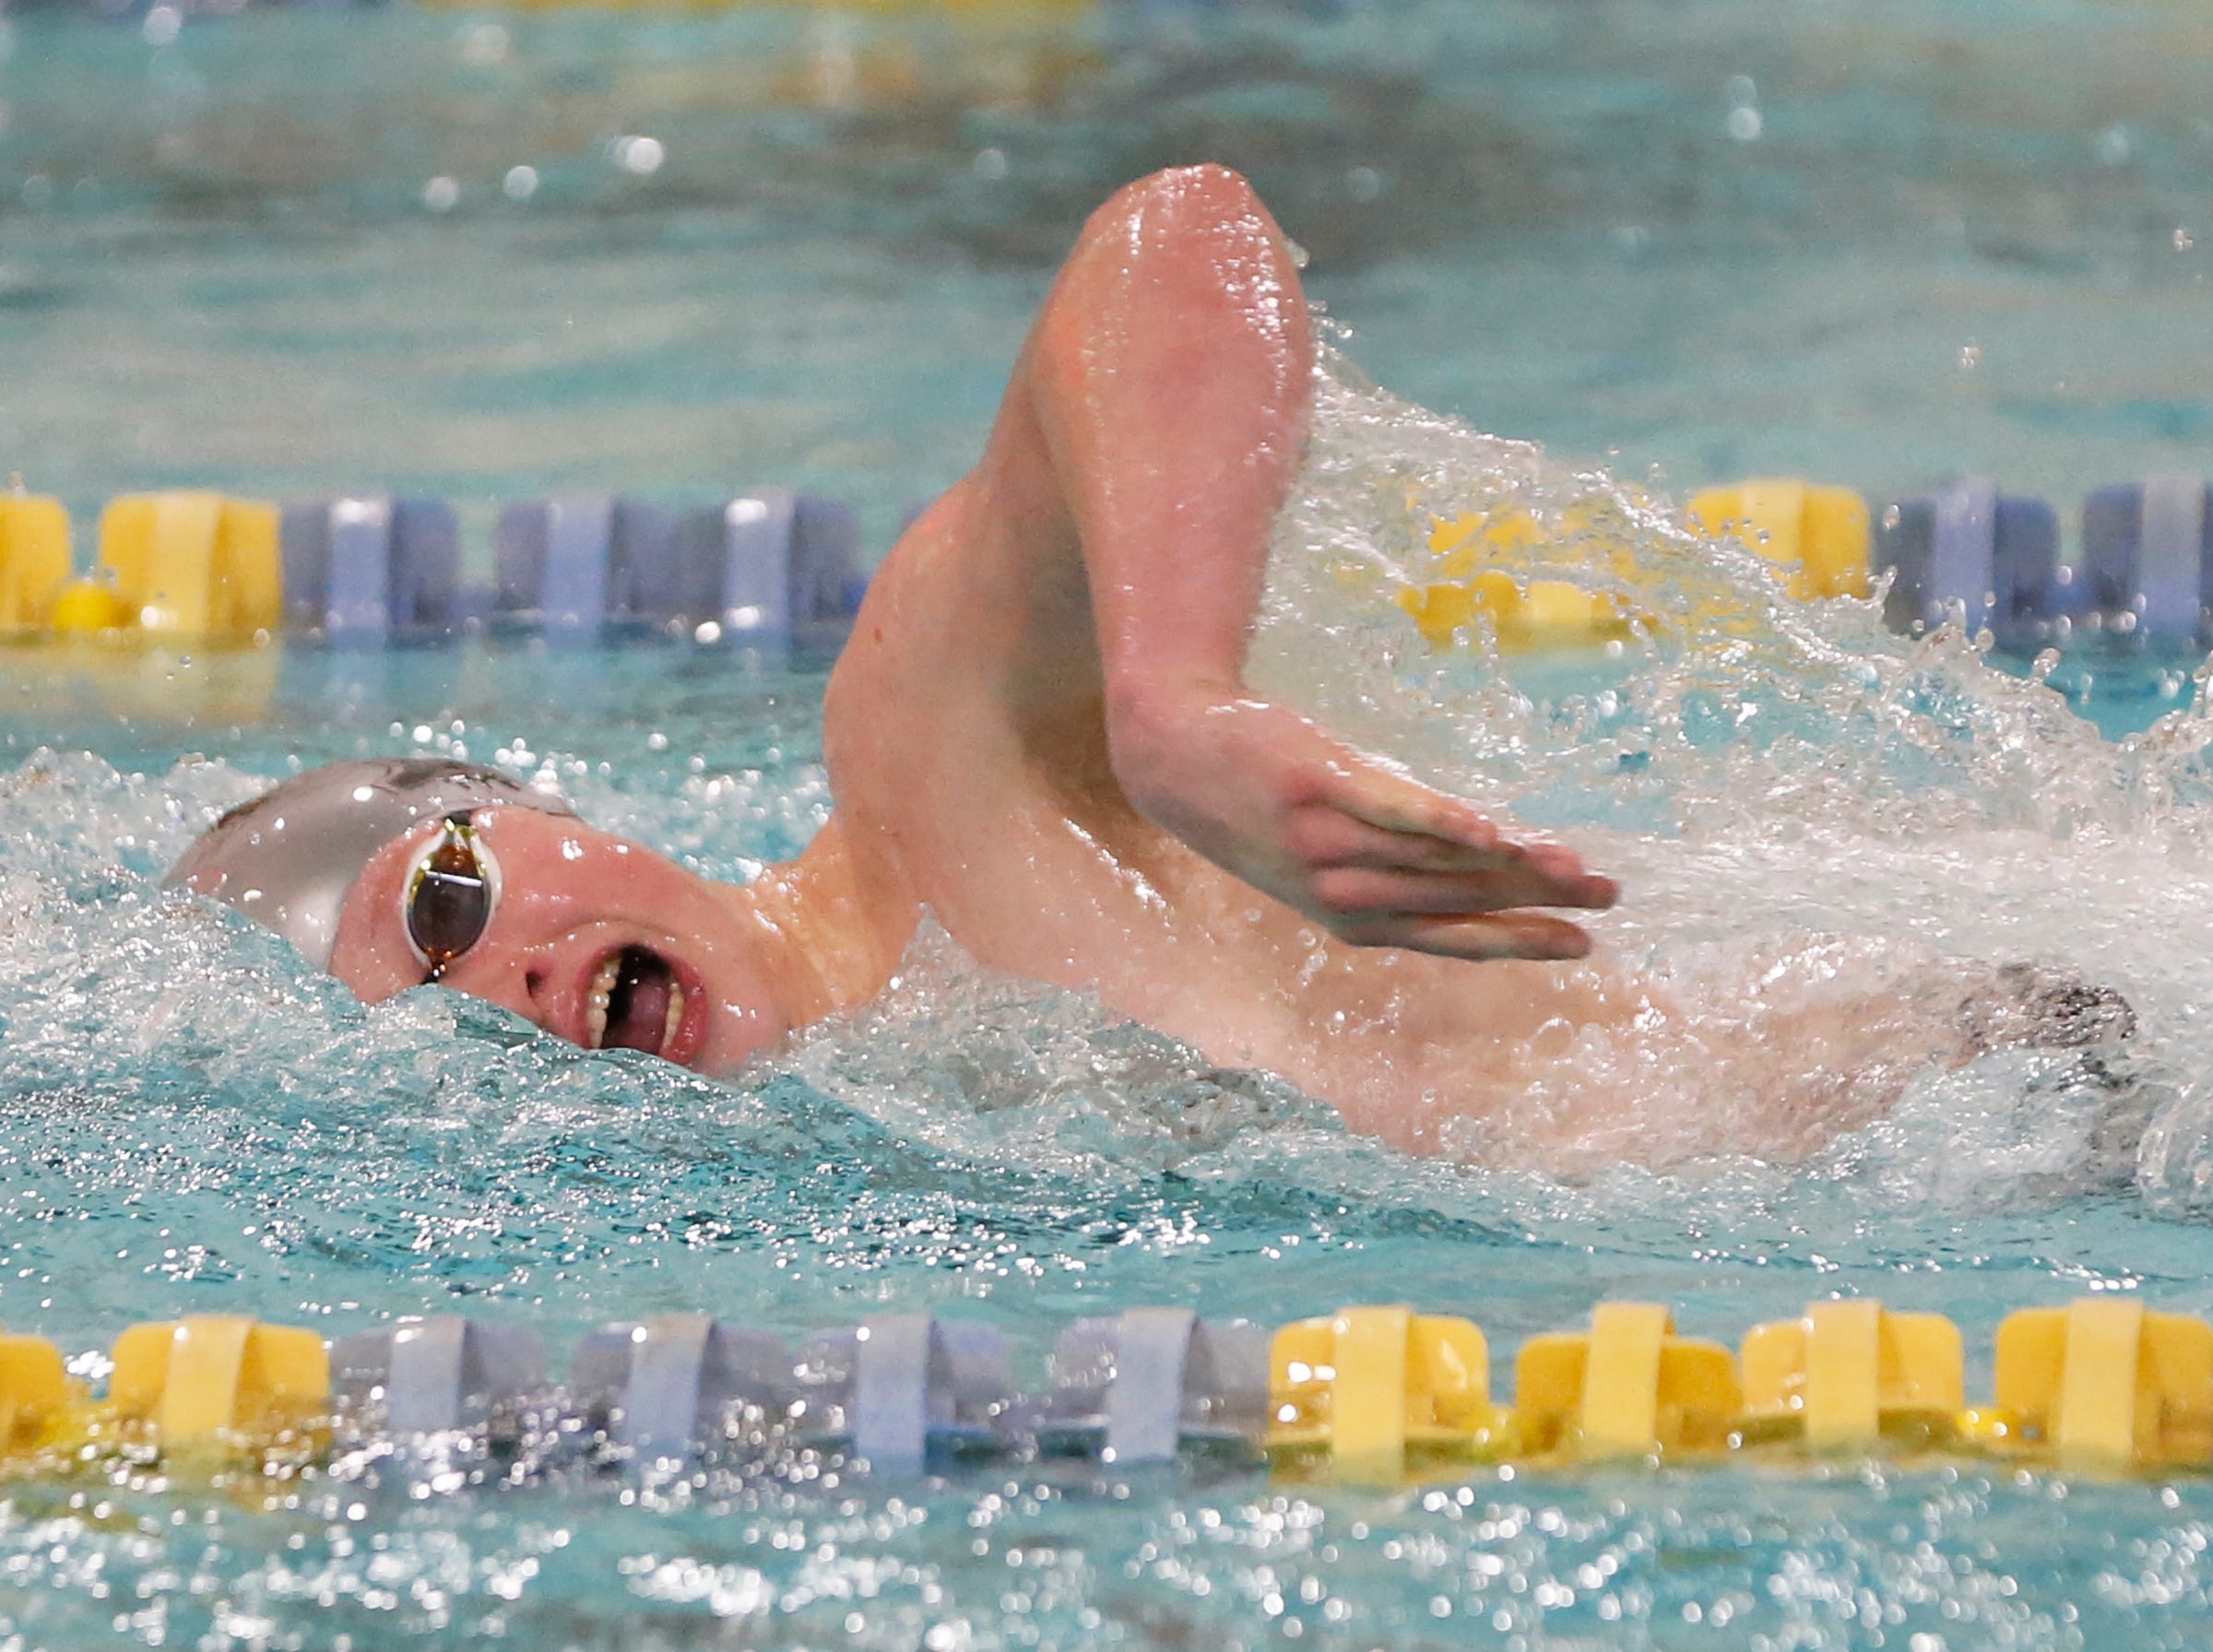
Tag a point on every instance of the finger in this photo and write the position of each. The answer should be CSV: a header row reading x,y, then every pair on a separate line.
x,y
1324,835
1558,873
1555,860
1485,938
1594,890
1434,831
1381,890
1396,804
1324,838
1343,830
1408,815
1563,868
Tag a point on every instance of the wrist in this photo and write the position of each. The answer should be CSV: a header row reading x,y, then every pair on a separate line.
x,y
1143,703
1156,726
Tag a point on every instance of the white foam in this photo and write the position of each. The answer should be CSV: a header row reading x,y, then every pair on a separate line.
x,y
1783,787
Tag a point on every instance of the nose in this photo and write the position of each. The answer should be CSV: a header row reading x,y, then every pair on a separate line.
x,y
520,982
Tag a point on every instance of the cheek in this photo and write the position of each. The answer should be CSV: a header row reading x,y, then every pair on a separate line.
x,y
372,955
732,1046
746,1020
370,971
753,1028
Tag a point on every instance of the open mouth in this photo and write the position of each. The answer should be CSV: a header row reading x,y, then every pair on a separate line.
x,y
635,1002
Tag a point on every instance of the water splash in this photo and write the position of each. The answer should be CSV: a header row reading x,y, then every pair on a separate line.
x,y
1800,804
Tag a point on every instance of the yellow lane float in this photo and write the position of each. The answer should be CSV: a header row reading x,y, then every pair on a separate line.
x,y
89,608
1627,1387
212,1382
187,567
34,561
194,565
1468,585
1820,534
1478,576
1381,1390
38,1399
1852,1376
2106,1385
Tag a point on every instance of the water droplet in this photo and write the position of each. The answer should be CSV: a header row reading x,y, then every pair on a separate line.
x,y
640,157
485,43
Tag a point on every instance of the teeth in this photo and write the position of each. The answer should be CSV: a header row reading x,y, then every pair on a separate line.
x,y
675,1017
595,1002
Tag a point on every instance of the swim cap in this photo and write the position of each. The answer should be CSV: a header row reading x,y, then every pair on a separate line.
x,y
288,859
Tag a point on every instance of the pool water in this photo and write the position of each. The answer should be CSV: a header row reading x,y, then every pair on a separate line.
x,y
319,248
199,1125
224,262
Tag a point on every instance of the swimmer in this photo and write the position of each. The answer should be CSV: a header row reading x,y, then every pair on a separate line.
x,y
1040,732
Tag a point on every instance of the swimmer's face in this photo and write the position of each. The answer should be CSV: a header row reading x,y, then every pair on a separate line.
x,y
592,937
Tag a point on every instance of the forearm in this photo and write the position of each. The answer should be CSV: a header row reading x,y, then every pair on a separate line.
x,y
1113,543
1171,377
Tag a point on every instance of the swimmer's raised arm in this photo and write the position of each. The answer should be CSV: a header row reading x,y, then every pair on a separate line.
x,y
1170,381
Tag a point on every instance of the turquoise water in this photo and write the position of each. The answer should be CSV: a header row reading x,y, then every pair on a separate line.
x,y
199,1125
230,273
1959,235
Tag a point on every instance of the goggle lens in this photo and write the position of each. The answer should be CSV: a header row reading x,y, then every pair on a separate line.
x,y
450,896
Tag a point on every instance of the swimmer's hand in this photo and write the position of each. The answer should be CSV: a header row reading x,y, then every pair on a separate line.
x,y
1375,859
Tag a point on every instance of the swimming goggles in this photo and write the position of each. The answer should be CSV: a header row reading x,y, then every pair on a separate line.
x,y
452,889
289,859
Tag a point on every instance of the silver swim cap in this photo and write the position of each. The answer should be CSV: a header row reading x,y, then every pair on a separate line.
x,y
288,859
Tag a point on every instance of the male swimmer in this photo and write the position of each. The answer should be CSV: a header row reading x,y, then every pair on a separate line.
x,y
1040,732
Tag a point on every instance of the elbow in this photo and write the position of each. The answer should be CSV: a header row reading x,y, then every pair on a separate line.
x,y
1182,206
1206,189
1155,719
